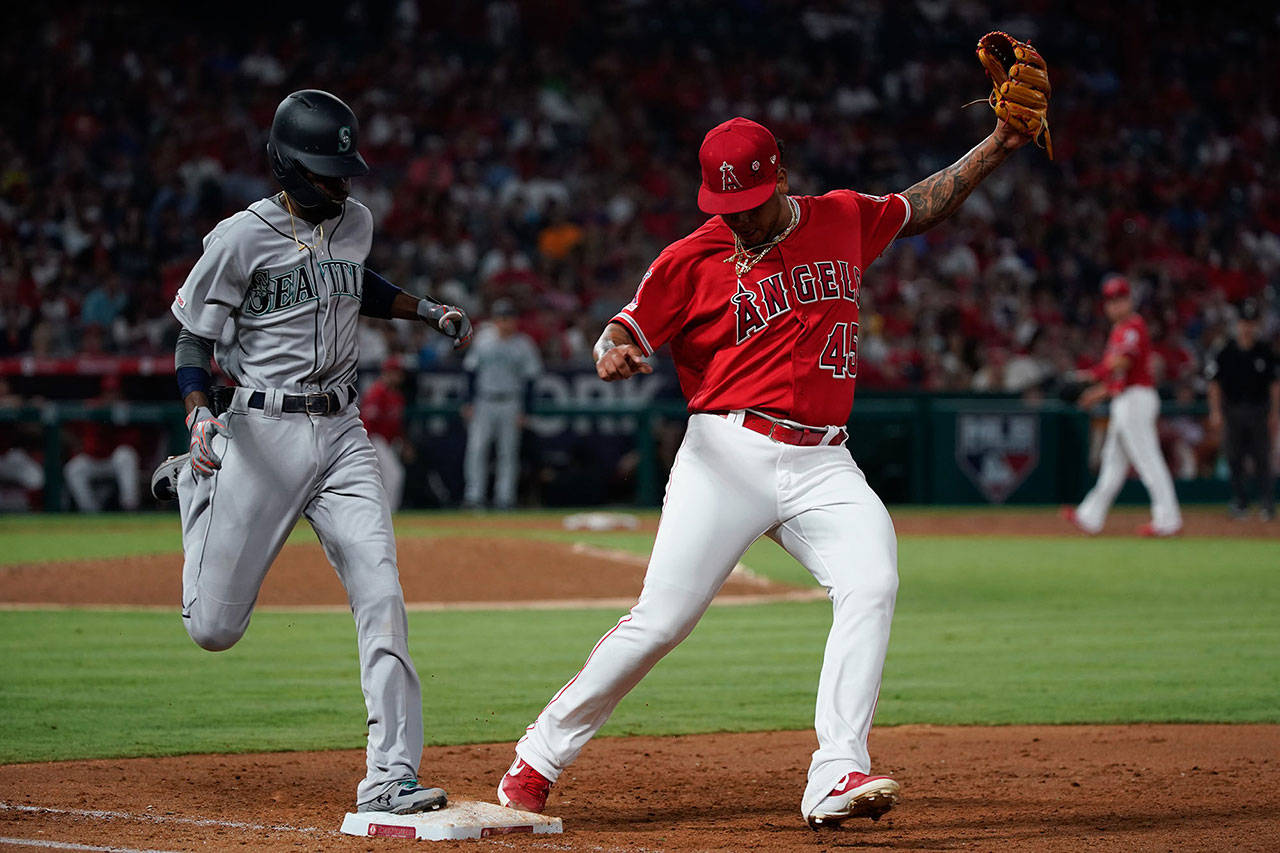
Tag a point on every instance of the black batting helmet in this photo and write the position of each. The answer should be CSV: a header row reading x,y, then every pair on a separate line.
x,y
316,132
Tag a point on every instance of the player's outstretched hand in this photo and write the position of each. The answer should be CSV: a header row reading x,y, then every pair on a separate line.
x,y
448,320
622,362
1009,137
1092,396
204,426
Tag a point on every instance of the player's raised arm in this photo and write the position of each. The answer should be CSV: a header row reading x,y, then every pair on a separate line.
x,y
1020,99
941,194
617,356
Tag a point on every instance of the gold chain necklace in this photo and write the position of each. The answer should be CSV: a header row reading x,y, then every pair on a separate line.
x,y
302,247
744,259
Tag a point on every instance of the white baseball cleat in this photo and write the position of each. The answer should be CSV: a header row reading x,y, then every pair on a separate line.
x,y
407,796
856,795
164,482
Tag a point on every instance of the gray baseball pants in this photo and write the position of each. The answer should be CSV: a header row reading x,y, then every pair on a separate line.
x,y
493,423
276,467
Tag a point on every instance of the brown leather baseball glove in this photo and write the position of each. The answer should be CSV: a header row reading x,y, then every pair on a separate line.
x,y
1020,81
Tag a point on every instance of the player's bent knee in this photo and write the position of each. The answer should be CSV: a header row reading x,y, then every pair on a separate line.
x,y
872,587
380,612
663,625
214,631
213,638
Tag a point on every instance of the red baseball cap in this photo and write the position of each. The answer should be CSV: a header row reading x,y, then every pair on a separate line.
x,y
739,166
1115,287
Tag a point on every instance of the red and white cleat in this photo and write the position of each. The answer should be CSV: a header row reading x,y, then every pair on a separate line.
x,y
524,788
1149,530
856,795
1068,514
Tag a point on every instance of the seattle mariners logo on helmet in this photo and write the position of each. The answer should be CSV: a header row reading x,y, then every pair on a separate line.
x,y
313,132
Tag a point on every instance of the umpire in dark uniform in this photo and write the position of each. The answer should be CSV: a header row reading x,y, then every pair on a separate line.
x,y
1244,393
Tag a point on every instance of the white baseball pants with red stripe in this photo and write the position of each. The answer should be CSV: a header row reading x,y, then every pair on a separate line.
x,y
728,487
1132,439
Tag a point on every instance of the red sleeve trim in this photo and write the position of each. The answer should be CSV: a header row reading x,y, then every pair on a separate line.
x,y
624,319
906,217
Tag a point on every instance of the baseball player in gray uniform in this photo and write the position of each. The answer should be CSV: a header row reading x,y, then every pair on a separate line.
x,y
275,297
503,362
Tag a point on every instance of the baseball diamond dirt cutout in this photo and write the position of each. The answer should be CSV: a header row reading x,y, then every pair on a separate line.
x,y
1050,788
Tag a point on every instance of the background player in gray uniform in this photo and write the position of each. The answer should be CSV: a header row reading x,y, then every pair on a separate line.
x,y
503,362
279,288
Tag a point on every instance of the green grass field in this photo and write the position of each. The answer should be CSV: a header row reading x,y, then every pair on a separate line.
x,y
987,630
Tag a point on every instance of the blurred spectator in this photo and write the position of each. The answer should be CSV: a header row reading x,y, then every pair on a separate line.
x,y
382,410
991,376
1188,447
20,472
105,458
104,305
503,363
1025,370
533,152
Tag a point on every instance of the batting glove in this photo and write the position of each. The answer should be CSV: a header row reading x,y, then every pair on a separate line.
x,y
204,426
448,320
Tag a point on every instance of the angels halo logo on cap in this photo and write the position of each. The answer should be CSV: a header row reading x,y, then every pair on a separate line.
x,y
739,161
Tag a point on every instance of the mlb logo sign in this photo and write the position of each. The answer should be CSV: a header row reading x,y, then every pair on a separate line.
x,y
997,452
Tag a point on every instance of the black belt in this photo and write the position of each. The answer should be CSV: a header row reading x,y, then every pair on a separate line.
x,y
319,403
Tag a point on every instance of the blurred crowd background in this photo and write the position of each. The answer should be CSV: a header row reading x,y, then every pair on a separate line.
x,y
545,151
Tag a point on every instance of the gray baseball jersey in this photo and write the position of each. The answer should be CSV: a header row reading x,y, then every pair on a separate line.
x,y
502,365
284,316
283,311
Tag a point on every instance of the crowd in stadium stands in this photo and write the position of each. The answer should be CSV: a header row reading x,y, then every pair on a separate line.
x,y
545,152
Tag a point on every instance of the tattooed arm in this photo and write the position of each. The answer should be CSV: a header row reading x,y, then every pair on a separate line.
x,y
941,194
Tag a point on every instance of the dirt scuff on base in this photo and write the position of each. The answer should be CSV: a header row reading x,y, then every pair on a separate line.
x,y
1036,788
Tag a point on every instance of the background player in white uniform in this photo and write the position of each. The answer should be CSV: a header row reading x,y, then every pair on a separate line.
x,y
503,362
1124,375
280,287
105,454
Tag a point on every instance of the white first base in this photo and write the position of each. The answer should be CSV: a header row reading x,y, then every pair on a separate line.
x,y
458,820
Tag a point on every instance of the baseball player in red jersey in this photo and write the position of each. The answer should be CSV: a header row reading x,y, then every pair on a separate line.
x,y
1124,375
382,410
760,307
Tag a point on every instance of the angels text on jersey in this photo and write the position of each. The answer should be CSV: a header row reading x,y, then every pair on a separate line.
x,y
755,306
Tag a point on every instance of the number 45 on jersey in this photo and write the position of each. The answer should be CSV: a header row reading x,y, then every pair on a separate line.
x,y
840,352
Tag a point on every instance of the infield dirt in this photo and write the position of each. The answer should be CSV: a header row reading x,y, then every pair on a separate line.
x,y
1068,788
438,570
1034,788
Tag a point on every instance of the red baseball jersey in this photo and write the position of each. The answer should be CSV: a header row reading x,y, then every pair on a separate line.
x,y
382,410
1128,338
783,338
